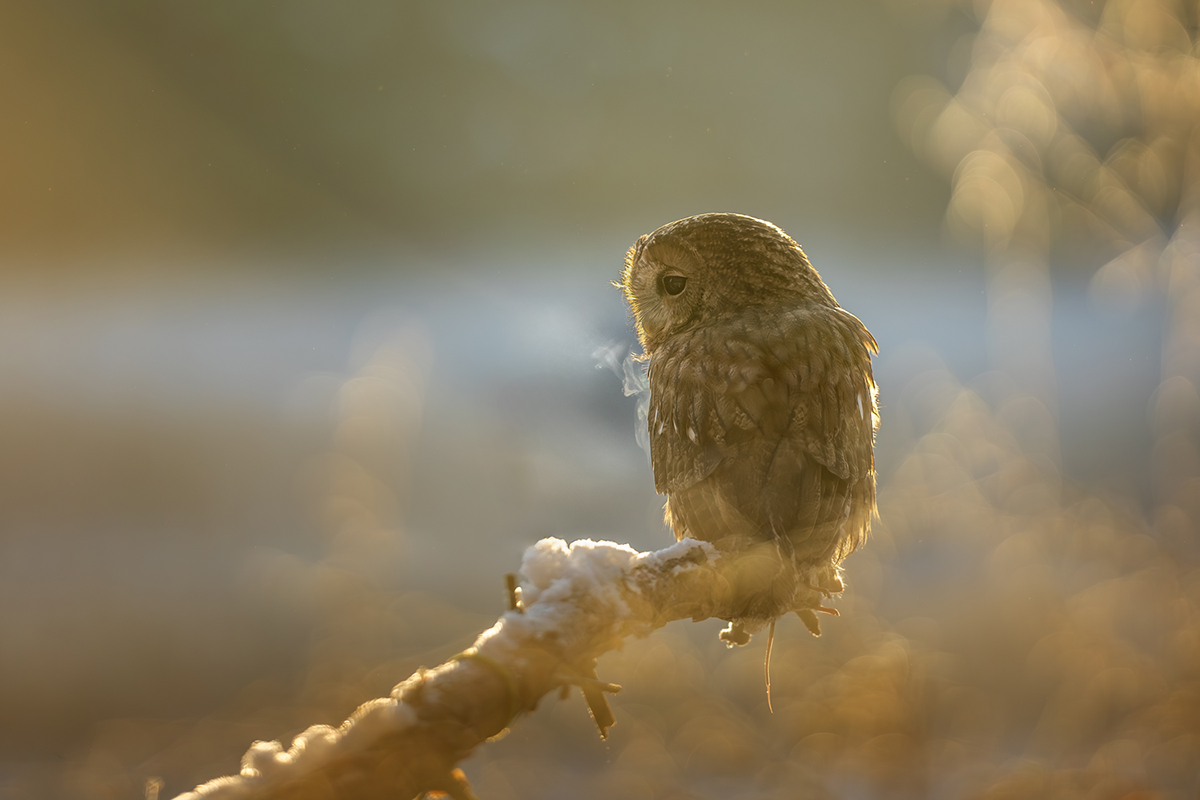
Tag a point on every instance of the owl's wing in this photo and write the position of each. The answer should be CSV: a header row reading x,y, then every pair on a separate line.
x,y
775,411
833,392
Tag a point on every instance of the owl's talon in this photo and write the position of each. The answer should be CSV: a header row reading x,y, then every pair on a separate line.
x,y
835,587
833,612
810,620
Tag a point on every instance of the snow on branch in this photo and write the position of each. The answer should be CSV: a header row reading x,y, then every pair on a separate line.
x,y
577,602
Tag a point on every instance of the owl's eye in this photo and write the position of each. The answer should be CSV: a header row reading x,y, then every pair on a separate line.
x,y
674,284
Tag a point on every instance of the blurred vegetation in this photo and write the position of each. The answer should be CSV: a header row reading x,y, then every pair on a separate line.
x,y
147,129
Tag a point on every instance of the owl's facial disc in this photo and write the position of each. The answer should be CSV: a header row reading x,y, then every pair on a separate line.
x,y
669,293
663,284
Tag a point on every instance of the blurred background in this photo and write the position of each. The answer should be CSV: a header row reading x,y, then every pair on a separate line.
x,y
305,334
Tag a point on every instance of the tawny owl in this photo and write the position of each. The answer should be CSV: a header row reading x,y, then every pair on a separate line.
x,y
762,409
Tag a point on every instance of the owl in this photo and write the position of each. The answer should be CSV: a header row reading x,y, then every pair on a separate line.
x,y
762,411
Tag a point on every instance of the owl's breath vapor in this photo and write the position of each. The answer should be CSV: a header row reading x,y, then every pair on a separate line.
x,y
762,410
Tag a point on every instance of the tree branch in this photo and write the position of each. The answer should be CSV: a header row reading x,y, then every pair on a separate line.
x,y
578,602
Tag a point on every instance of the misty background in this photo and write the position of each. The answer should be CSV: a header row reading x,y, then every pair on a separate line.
x,y
304,313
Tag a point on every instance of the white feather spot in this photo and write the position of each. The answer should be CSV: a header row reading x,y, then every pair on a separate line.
x,y
691,434
861,413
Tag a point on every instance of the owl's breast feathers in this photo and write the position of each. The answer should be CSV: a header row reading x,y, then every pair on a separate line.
x,y
762,427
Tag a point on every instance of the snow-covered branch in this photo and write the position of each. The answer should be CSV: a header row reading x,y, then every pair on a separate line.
x,y
578,601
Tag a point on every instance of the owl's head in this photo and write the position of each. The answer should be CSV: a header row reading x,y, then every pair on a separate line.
x,y
703,267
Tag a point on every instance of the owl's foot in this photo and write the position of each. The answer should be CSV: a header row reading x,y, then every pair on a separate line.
x,y
829,588
735,635
810,620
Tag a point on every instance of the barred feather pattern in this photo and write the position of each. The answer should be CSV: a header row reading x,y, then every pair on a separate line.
x,y
761,430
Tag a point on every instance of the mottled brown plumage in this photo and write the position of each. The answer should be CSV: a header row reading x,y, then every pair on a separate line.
x,y
762,408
